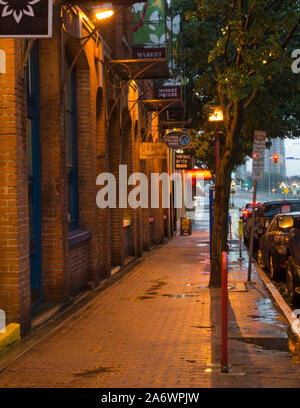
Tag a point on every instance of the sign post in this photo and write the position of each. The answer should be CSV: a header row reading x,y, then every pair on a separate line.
x,y
259,147
211,217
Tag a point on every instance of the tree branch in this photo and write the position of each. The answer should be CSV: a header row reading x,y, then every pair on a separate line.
x,y
251,99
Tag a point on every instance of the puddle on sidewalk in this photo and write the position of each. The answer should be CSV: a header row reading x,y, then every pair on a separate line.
x,y
290,344
95,371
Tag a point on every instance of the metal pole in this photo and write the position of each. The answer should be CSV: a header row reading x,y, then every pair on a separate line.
x,y
252,231
241,232
224,313
217,150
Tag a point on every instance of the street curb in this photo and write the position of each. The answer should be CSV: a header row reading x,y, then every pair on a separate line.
x,y
278,299
11,336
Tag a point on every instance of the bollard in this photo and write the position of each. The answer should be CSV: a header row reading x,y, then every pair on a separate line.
x,y
241,234
224,313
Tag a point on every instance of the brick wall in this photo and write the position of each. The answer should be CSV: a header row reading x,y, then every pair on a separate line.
x,y
102,146
14,219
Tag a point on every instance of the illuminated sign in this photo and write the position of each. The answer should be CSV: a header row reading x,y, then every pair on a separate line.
x,y
177,140
206,173
153,151
183,161
167,92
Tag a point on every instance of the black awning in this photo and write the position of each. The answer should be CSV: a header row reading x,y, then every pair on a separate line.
x,y
150,68
175,124
93,2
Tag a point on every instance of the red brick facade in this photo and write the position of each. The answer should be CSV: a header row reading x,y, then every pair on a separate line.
x,y
70,260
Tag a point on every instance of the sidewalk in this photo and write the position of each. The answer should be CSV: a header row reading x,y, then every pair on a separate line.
x,y
160,327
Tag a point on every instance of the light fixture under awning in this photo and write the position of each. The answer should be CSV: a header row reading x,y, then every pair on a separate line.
x,y
163,104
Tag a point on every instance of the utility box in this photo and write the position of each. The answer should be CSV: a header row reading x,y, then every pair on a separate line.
x,y
185,226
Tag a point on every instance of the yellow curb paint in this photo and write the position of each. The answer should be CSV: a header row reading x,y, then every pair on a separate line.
x,y
11,336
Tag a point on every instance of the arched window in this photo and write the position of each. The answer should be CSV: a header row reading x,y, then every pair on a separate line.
x,y
71,145
34,183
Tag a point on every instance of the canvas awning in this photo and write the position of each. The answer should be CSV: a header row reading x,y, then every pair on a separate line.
x,y
149,68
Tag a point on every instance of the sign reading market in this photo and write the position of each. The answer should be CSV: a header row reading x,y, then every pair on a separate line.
x,y
25,18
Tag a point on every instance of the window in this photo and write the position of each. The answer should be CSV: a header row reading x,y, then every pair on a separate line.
x,y
71,146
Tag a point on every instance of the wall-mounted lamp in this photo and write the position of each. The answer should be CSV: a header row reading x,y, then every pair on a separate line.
x,y
215,114
103,11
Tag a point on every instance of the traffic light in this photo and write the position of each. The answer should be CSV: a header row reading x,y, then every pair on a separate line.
x,y
275,158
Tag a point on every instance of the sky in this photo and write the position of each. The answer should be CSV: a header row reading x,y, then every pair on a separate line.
x,y
292,149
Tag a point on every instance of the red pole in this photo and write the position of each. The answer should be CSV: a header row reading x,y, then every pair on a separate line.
x,y
224,313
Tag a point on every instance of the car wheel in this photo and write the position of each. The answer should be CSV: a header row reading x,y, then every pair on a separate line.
x,y
260,259
274,268
292,295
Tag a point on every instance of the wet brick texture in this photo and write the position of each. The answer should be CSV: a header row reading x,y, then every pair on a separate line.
x,y
159,326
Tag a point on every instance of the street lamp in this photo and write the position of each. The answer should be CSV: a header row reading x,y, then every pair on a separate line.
x,y
103,11
216,115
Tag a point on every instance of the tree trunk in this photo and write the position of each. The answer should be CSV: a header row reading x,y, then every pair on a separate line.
x,y
220,228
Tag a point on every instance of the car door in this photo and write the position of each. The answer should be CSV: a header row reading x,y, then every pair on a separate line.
x,y
295,246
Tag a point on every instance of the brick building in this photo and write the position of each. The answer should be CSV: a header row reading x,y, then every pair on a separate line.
x,y
67,114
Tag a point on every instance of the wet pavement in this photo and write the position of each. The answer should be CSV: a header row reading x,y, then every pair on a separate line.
x,y
159,326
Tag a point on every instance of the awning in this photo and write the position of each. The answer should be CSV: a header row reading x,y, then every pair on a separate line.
x,y
175,124
113,2
163,104
149,68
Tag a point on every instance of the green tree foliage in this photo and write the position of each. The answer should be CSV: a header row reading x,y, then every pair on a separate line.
x,y
237,53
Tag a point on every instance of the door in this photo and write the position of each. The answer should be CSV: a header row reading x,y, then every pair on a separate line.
x,y
34,187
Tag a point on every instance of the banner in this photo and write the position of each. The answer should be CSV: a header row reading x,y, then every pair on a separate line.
x,y
149,28
25,18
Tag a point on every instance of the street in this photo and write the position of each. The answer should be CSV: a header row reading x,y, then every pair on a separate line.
x,y
159,326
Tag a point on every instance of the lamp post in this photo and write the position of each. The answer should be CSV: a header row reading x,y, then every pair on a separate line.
x,y
216,115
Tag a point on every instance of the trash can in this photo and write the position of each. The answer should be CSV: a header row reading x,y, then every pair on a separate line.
x,y
185,226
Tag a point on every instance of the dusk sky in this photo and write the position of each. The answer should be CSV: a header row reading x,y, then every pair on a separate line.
x,y
292,149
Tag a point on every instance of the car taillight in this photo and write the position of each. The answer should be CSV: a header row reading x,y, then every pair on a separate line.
x,y
245,212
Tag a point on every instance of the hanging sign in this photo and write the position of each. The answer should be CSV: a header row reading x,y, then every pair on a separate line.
x,y
168,92
148,53
153,151
183,161
177,140
25,18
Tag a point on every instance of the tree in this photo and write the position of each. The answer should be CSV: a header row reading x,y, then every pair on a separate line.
x,y
238,54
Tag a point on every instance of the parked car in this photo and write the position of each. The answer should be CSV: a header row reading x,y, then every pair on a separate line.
x,y
272,250
247,211
265,214
293,264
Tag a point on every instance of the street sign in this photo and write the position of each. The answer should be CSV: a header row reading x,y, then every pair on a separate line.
x,y
25,18
259,147
177,140
183,161
153,151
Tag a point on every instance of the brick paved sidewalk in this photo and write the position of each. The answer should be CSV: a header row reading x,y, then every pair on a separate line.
x,y
159,327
